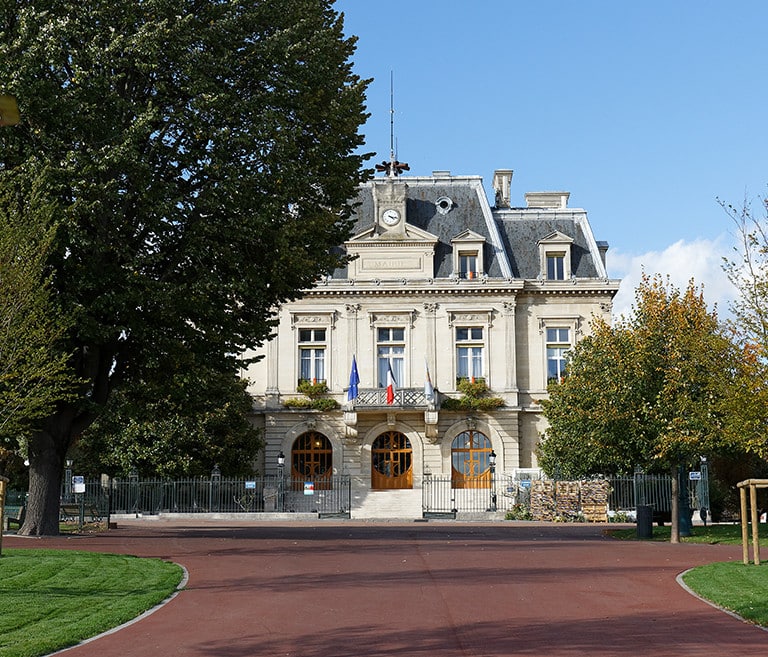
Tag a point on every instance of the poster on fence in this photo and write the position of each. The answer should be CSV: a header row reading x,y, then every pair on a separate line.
x,y
309,488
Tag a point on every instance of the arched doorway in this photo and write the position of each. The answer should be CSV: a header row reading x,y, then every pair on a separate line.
x,y
470,464
312,460
391,461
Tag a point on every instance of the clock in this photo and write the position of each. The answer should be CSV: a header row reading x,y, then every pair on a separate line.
x,y
390,217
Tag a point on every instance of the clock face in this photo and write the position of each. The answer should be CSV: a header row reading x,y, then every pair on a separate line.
x,y
390,217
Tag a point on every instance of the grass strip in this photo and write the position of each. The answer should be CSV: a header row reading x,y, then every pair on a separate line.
x,y
732,585
52,599
711,534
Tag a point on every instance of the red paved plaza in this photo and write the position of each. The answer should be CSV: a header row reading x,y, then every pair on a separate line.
x,y
351,589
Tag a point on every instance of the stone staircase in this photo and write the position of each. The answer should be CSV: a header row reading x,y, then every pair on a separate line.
x,y
386,504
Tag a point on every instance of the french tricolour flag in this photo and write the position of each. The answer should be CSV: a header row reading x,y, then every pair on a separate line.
x,y
391,384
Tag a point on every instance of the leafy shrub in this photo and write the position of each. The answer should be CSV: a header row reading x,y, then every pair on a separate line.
x,y
313,398
297,403
324,404
519,512
470,388
312,390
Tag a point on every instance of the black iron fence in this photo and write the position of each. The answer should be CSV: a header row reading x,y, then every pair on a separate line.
x,y
223,495
512,493
502,493
332,497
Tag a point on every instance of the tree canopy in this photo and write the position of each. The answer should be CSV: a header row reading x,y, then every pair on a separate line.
x,y
180,427
199,155
748,271
652,391
33,371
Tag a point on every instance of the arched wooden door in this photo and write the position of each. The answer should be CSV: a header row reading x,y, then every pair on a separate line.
x,y
470,460
312,460
391,462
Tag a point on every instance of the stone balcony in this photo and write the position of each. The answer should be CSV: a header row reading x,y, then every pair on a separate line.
x,y
376,398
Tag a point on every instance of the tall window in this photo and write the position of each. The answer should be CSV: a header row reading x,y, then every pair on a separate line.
x,y
390,348
556,266
312,355
468,264
558,343
469,352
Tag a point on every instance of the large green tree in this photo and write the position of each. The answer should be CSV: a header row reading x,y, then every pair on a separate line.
x,y
179,425
650,391
200,155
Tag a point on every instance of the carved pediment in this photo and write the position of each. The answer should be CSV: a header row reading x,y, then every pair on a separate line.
x,y
468,236
387,256
556,237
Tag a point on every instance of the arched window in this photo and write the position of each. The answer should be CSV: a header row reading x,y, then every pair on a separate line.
x,y
470,463
312,460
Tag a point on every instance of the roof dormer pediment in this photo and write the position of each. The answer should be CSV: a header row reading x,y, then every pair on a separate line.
x,y
556,237
468,236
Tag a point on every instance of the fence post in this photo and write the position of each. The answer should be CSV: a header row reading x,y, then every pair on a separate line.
x,y
215,484
133,477
3,484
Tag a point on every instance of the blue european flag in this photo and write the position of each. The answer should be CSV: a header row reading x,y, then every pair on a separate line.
x,y
354,379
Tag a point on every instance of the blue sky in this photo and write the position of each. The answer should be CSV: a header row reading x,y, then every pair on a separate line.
x,y
646,112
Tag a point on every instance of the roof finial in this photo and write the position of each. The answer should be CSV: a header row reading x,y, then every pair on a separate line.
x,y
393,168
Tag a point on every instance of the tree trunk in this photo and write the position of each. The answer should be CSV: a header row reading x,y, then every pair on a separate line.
x,y
46,462
674,535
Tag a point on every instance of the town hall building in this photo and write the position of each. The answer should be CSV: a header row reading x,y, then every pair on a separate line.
x,y
427,355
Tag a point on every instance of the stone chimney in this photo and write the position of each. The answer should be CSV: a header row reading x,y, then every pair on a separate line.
x,y
602,247
552,200
502,180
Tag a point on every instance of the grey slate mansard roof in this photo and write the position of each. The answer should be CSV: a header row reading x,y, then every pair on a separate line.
x,y
511,234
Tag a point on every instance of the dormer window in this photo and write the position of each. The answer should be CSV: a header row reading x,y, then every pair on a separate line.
x,y
468,255
555,266
555,257
468,264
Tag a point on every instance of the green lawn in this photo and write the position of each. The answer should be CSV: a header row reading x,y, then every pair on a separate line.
x,y
732,585
51,599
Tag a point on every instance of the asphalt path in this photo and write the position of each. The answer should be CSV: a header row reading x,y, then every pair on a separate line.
x,y
447,589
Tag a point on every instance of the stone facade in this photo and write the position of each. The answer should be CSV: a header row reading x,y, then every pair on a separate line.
x,y
442,283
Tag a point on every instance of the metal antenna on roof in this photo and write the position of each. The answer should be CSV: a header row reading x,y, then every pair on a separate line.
x,y
392,168
392,122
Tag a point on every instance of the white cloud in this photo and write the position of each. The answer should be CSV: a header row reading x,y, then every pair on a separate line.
x,y
700,260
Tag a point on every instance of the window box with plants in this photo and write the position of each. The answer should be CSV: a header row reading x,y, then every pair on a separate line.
x,y
314,397
474,397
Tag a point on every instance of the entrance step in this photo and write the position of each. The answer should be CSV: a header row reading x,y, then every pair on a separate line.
x,y
401,504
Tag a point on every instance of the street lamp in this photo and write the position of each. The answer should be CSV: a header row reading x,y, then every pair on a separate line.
x,y
492,466
281,483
